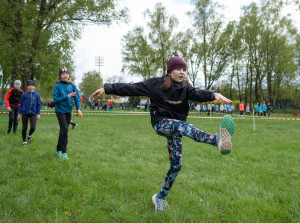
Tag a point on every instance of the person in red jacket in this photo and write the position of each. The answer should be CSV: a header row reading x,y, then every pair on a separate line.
x,y
12,103
242,108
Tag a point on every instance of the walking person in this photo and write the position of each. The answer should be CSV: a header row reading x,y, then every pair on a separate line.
x,y
63,95
30,109
12,103
169,96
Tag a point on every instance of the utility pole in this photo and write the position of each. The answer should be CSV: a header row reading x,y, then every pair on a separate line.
x,y
99,62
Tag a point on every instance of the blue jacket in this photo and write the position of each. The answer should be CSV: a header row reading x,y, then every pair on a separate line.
x,y
63,104
30,104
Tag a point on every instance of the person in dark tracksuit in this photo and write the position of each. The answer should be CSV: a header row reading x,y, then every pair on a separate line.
x,y
12,103
169,107
63,95
30,108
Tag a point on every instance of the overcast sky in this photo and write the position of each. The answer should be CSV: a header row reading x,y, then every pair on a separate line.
x,y
103,41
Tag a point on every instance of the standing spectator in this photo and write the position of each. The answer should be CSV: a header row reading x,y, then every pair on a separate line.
x,y
146,106
222,108
260,110
241,107
217,108
198,108
204,108
248,109
110,106
230,108
226,108
208,109
30,108
212,107
256,109
12,103
192,106
264,108
63,94
270,108
105,106
96,105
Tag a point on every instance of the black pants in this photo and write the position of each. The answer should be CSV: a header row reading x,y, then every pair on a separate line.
x,y
64,121
13,118
25,125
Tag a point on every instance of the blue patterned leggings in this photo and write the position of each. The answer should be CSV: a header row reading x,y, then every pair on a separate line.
x,y
173,130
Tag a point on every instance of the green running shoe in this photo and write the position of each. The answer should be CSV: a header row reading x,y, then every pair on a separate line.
x,y
223,139
65,156
59,153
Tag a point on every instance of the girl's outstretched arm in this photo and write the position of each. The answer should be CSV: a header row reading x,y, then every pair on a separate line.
x,y
97,93
220,97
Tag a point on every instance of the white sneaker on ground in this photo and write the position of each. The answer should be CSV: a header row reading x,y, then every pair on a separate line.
x,y
160,204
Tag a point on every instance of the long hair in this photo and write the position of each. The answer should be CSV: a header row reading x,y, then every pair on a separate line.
x,y
168,83
59,80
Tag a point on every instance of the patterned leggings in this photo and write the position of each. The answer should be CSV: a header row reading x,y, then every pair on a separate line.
x,y
173,130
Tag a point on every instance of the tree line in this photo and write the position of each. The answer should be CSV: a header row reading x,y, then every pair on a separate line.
x,y
254,59
36,36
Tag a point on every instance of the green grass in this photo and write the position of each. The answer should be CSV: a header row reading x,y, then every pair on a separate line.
x,y
118,162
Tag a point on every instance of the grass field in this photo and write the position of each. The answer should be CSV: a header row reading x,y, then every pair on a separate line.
x,y
118,162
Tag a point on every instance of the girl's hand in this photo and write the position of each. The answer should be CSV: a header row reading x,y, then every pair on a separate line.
x,y
71,94
9,109
38,117
97,93
219,97
79,113
19,117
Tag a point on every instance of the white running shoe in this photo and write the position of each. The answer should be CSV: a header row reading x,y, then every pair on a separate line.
x,y
160,204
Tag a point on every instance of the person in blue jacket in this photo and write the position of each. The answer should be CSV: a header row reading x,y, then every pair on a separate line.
x,y
264,108
169,107
63,95
256,109
30,108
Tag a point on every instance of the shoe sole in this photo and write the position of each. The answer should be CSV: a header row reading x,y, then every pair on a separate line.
x,y
226,129
153,200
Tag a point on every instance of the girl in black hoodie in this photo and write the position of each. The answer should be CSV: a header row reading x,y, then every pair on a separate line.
x,y
169,108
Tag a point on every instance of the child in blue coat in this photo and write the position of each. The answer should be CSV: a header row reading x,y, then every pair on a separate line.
x,y
63,95
30,108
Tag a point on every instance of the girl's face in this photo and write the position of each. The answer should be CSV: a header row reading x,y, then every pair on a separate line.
x,y
30,88
65,76
178,74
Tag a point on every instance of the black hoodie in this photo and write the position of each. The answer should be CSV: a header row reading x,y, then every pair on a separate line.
x,y
163,104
